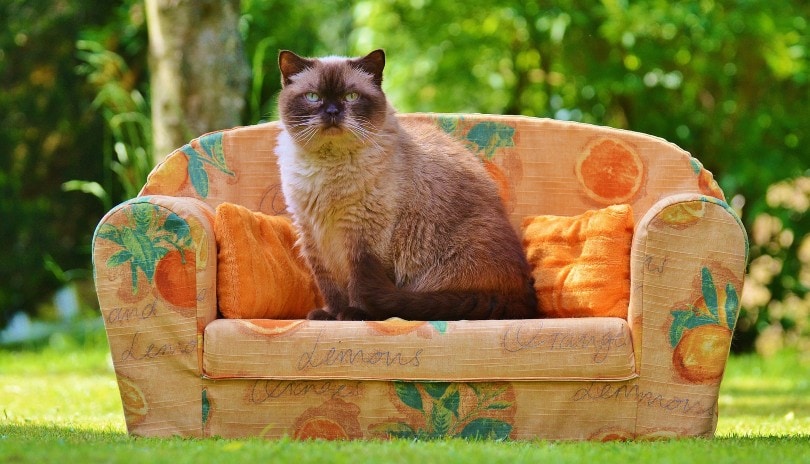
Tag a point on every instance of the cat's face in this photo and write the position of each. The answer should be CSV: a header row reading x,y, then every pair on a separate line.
x,y
336,100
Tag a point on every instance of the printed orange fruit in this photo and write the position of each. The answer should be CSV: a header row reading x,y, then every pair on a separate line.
x,y
708,186
335,419
501,180
320,427
175,278
133,399
610,171
611,434
395,326
700,356
169,177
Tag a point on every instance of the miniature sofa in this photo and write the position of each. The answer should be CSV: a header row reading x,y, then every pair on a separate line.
x,y
183,369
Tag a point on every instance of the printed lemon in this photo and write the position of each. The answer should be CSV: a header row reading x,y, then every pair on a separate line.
x,y
270,326
170,177
133,399
700,356
200,239
682,215
610,171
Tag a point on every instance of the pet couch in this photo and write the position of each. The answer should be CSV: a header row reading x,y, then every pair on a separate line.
x,y
654,371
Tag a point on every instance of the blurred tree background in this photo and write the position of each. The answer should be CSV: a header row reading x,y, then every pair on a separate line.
x,y
727,80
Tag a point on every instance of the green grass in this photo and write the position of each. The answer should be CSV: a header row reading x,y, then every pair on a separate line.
x,y
59,403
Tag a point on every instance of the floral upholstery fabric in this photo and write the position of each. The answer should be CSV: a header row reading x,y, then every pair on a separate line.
x,y
182,370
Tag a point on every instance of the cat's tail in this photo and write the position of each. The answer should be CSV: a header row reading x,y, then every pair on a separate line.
x,y
382,299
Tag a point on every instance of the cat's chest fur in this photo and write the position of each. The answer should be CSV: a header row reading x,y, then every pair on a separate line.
x,y
334,194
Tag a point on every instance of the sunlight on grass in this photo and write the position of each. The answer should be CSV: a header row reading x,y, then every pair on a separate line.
x,y
60,402
62,384
766,397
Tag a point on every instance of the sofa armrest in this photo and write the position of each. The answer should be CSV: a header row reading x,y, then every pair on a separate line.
x,y
688,261
154,260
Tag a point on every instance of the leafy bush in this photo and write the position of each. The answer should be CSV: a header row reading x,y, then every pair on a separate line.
x,y
728,81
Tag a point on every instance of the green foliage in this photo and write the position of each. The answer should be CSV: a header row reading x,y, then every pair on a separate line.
x,y
727,80
128,136
49,134
310,28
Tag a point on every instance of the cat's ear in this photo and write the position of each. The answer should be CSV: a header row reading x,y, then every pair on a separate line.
x,y
373,63
291,64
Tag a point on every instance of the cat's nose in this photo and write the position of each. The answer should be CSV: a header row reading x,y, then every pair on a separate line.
x,y
332,109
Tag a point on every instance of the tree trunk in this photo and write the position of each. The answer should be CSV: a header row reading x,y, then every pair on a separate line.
x,y
199,73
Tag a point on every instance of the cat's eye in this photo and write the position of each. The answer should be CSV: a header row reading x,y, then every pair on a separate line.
x,y
351,96
312,97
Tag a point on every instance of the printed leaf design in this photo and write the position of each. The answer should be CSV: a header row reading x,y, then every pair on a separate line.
x,y
198,176
436,390
206,406
147,235
696,165
486,428
441,420
210,153
732,305
708,309
500,405
409,394
394,430
449,124
448,413
109,232
452,402
440,326
488,137
709,292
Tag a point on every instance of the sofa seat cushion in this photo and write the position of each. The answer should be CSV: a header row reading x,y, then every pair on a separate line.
x,y
597,348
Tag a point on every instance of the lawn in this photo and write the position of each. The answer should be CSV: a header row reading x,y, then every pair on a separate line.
x,y
60,403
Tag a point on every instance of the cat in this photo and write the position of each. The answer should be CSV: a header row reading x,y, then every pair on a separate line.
x,y
396,218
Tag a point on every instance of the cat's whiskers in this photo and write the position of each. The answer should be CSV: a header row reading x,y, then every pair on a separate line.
x,y
364,130
363,134
303,128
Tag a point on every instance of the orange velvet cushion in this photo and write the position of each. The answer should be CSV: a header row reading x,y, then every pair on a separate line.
x,y
260,272
581,264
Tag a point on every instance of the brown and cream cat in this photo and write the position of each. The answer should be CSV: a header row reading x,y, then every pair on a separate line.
x,y
397,219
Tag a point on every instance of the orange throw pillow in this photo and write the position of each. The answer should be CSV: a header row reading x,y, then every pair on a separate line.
x,y
260,272
581,264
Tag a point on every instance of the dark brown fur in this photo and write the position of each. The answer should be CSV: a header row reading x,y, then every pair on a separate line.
x,y
396,220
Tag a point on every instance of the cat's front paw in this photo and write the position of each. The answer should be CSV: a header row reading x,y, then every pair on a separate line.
x,y
321,314
353,314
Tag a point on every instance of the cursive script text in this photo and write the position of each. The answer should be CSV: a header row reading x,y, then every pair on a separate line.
x,y
263,391
138,352
518,338
321,355
609,391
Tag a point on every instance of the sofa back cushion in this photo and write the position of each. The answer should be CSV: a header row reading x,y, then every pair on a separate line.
x,y
542,166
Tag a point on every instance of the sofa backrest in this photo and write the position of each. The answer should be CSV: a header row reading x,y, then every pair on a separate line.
x,y
542,166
